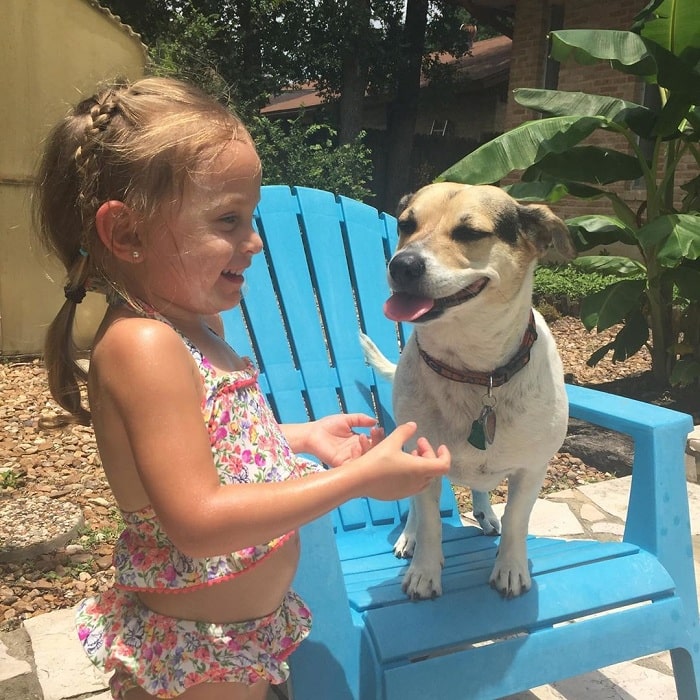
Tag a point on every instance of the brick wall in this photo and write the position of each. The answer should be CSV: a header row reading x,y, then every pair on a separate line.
x,y
530,46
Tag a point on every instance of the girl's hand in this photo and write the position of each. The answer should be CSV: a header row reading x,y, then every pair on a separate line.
x,y
333,440
395,474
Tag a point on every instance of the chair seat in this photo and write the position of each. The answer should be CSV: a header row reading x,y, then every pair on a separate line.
x,y
416,643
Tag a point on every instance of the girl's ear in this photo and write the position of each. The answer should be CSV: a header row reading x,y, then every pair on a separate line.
x,y
116,226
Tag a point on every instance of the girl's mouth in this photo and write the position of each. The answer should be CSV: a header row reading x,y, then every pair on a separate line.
x,y
233,275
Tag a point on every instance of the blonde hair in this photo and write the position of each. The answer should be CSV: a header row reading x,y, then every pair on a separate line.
x,y
136,143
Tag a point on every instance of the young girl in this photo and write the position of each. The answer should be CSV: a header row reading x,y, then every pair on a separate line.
x,y
146,192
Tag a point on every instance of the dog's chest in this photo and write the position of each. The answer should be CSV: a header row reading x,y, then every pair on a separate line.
x,y
530,419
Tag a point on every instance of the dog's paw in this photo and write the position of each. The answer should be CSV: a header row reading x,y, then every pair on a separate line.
x,y
489,522
510,578
404,546
421,583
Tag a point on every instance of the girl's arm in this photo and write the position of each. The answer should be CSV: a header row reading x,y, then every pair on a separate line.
x,y
148,380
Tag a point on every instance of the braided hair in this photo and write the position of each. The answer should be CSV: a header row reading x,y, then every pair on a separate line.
x,y
132,142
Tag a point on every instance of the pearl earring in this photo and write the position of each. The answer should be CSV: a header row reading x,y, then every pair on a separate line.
x,y
135,254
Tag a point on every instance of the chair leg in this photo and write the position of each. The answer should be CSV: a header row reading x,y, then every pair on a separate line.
x,y
685,668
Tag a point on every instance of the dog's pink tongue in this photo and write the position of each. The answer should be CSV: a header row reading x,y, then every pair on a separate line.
x,y
405,307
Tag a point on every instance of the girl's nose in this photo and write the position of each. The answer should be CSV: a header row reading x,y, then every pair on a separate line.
x,y
256,243
253,243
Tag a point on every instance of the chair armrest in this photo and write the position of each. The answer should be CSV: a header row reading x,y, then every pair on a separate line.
x,y
658,518
334,639
625,415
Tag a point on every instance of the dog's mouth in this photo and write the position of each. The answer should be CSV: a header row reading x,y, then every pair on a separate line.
x,y
401,306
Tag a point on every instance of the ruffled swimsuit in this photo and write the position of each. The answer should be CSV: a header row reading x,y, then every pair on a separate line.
x,y
165,656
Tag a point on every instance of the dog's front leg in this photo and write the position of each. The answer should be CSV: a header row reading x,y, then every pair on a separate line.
x,y
422,539
484,513
511,573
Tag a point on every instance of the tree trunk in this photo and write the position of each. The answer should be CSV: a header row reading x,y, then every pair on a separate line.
x,y
354,76
251,54
403,110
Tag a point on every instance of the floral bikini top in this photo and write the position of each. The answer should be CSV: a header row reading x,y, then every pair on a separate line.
x,y
248,446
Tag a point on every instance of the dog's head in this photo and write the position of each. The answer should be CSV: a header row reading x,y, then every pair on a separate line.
x,y
463,244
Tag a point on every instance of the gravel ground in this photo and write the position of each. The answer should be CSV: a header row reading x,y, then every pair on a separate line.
x,y
54,471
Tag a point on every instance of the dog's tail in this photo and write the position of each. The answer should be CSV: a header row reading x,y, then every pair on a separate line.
x,y
373,355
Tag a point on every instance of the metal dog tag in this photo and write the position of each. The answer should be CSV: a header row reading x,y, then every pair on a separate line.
x,y
483,429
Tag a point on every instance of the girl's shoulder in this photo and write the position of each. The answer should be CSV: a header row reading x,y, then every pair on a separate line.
x,y
123,335
132,349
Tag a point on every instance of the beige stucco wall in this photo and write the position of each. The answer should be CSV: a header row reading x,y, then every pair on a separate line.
x,y
52,52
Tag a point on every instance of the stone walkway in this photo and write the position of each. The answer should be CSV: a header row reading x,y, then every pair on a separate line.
x,y
44,661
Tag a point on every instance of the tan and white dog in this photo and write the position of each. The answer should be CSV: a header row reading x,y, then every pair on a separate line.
x,y
480,372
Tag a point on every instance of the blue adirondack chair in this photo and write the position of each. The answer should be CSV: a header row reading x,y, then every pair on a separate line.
x,y
322,280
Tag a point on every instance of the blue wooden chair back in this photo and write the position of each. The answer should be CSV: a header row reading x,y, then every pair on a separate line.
x,y
321,280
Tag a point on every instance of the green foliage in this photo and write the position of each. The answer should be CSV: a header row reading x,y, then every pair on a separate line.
x,y
10,479
659,294
294,153
184,53
568,282
195,40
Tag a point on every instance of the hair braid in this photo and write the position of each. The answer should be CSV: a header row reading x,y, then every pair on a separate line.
x,y
100,109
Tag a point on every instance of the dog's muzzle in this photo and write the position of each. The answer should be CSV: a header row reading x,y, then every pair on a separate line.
x,y
401,306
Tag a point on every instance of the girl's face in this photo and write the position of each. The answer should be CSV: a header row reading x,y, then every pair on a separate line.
x,y
195,259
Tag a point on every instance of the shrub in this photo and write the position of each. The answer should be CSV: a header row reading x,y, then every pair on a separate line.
x,y
565,286
294,153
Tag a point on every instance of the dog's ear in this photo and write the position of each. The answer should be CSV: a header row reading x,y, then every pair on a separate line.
x,y
543,229
403,203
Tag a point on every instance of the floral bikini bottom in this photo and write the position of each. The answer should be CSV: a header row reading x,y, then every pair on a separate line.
x,y
166,656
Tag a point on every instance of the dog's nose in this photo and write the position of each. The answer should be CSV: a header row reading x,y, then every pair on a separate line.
x,y
406,268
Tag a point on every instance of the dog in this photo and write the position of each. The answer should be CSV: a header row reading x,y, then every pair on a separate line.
x,y
481,372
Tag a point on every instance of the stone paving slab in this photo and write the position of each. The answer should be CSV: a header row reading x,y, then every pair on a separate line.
x,y
612,496
650,678
10,667
63,669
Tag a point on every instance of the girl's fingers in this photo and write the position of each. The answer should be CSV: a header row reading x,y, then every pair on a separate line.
x,y
360,420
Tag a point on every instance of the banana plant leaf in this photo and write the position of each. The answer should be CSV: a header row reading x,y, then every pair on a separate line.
x,y
687,280
685,372
609,306
629,340
592,164
559,103
671,238
691,199
545,191
629,53
673,113
520,148
617,265
626,51
592,230
675,74
672,24
693,118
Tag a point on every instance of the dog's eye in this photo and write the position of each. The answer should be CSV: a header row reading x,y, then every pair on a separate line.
x,y
406,226
467,233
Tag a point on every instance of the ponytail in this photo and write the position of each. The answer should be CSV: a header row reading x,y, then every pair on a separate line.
x,y
65,375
